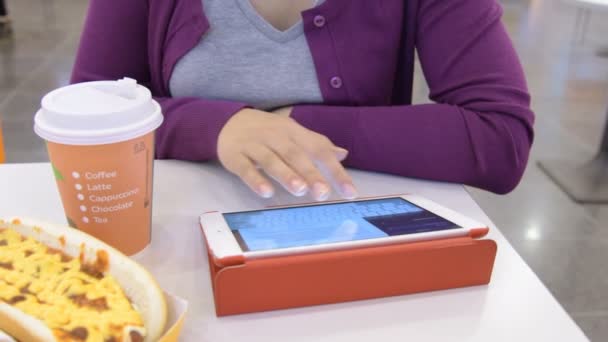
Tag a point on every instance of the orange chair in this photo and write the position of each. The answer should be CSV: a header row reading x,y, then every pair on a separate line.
x,y
2,155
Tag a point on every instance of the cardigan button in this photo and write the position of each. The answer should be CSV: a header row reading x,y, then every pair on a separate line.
x,y
336,82
319,21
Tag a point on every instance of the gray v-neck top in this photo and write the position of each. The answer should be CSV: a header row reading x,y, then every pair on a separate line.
x,y
247,59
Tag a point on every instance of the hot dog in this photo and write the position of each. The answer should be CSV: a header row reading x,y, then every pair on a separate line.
x,y
60,284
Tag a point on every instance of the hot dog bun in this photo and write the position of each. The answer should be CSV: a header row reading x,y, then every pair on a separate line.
x,y
136,283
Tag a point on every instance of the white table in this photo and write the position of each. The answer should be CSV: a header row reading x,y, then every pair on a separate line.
x,y
514,307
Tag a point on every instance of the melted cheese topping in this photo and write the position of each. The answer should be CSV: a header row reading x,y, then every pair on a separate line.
x,y
54,288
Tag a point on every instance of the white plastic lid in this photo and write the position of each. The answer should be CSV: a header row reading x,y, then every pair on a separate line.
x,y
93,113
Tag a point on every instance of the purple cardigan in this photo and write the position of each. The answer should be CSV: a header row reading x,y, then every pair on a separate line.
x,y
478,131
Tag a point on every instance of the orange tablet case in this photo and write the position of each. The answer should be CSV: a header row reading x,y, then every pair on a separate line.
x,y
244,286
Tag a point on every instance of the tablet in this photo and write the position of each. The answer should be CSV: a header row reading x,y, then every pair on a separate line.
x,y
329,226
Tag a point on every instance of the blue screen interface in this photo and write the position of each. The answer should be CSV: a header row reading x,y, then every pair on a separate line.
x,y
330,223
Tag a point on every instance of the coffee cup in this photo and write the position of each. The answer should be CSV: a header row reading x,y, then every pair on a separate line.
x,y
100,141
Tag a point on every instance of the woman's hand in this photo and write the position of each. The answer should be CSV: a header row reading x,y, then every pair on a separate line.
x,y
296,157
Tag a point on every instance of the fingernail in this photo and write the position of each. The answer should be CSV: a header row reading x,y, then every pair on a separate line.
x,y
341,153
298,187
321,191
349,191
265,190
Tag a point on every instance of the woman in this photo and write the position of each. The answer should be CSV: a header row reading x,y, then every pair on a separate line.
x,y
294,88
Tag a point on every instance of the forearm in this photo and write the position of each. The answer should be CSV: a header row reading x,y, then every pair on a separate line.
x,y
191,127
432,141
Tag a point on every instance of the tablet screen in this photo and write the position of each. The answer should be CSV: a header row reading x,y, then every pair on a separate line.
x,y
330,223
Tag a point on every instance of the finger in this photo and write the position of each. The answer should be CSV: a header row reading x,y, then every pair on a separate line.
x,y
341,178
323,153
300,161
340,153
245,169
276,168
